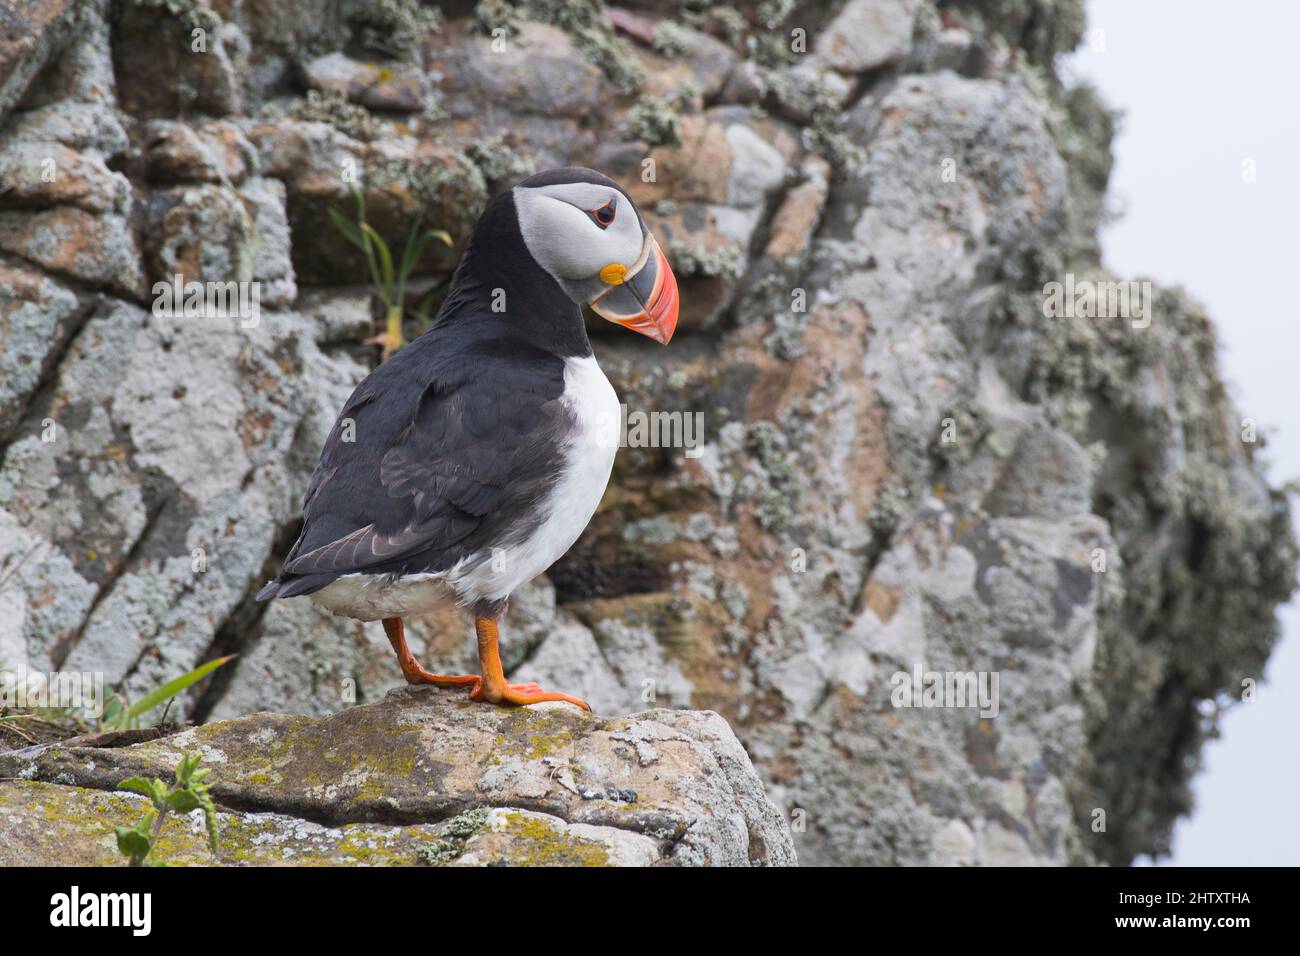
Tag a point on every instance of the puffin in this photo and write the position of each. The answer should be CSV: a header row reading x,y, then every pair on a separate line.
x,y
471,460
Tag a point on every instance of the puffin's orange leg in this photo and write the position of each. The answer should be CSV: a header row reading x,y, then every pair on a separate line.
x,y
493,687
411,669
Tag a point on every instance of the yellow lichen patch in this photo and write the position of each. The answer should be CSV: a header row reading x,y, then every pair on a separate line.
x,y
537,842
535,734
44,823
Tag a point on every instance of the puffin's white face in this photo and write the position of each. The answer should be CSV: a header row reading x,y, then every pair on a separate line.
x,y
589,237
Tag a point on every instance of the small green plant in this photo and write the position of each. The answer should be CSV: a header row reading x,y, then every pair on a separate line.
x,y
121,715
190,792
389,282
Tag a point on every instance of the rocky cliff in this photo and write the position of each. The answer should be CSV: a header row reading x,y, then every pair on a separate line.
x,y
904,462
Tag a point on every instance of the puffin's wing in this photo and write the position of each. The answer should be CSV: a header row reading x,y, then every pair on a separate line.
x,y
426,461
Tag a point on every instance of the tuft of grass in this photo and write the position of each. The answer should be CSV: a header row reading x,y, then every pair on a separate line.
x,y
389,278
119,714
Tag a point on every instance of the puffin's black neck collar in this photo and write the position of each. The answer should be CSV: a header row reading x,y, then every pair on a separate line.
x,y
498,268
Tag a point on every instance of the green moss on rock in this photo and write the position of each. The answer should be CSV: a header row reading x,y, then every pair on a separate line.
x,y
332,107
536,842
393,27
453,834
583,20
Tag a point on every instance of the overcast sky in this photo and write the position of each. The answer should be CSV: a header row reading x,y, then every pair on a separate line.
x,y
1206,86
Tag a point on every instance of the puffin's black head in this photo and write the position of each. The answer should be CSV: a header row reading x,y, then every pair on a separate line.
x,y
584,231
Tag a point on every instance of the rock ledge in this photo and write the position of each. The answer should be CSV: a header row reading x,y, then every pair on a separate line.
x,y
421,777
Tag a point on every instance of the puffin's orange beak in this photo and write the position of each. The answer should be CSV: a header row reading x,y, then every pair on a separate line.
x,y
644,298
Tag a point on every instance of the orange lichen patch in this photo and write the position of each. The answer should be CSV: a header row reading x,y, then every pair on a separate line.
x,y
1034,189
68,240
254,428
882,600
835,342
782,770
795,221
895,115
22,284
698,169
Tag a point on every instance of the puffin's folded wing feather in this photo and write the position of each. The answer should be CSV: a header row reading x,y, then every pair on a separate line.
x,y
412,487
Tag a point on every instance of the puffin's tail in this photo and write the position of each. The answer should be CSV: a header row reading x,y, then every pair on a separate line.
x,y
293,585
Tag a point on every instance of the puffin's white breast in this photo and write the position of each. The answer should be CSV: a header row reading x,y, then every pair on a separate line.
x,y
588,459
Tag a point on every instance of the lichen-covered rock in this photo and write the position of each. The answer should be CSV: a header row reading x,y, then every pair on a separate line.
x,y
61,206
203,233
40,175
539,71
171,58
211,152
37,317
900,460
31,32
272,244
71,242
672,51
54,825
867,34
402,87
82,126
162,484
83,71
531,786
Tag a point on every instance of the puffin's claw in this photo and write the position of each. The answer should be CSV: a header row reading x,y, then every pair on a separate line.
x,y
530,693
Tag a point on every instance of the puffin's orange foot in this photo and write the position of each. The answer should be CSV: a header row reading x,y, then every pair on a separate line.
x,y
519,694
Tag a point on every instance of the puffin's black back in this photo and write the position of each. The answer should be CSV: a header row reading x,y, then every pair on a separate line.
x,y
458,435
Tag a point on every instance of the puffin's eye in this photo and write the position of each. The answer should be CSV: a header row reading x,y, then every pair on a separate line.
x,y
604,215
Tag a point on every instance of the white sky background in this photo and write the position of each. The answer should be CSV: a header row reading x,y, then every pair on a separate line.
x,y
1205,85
